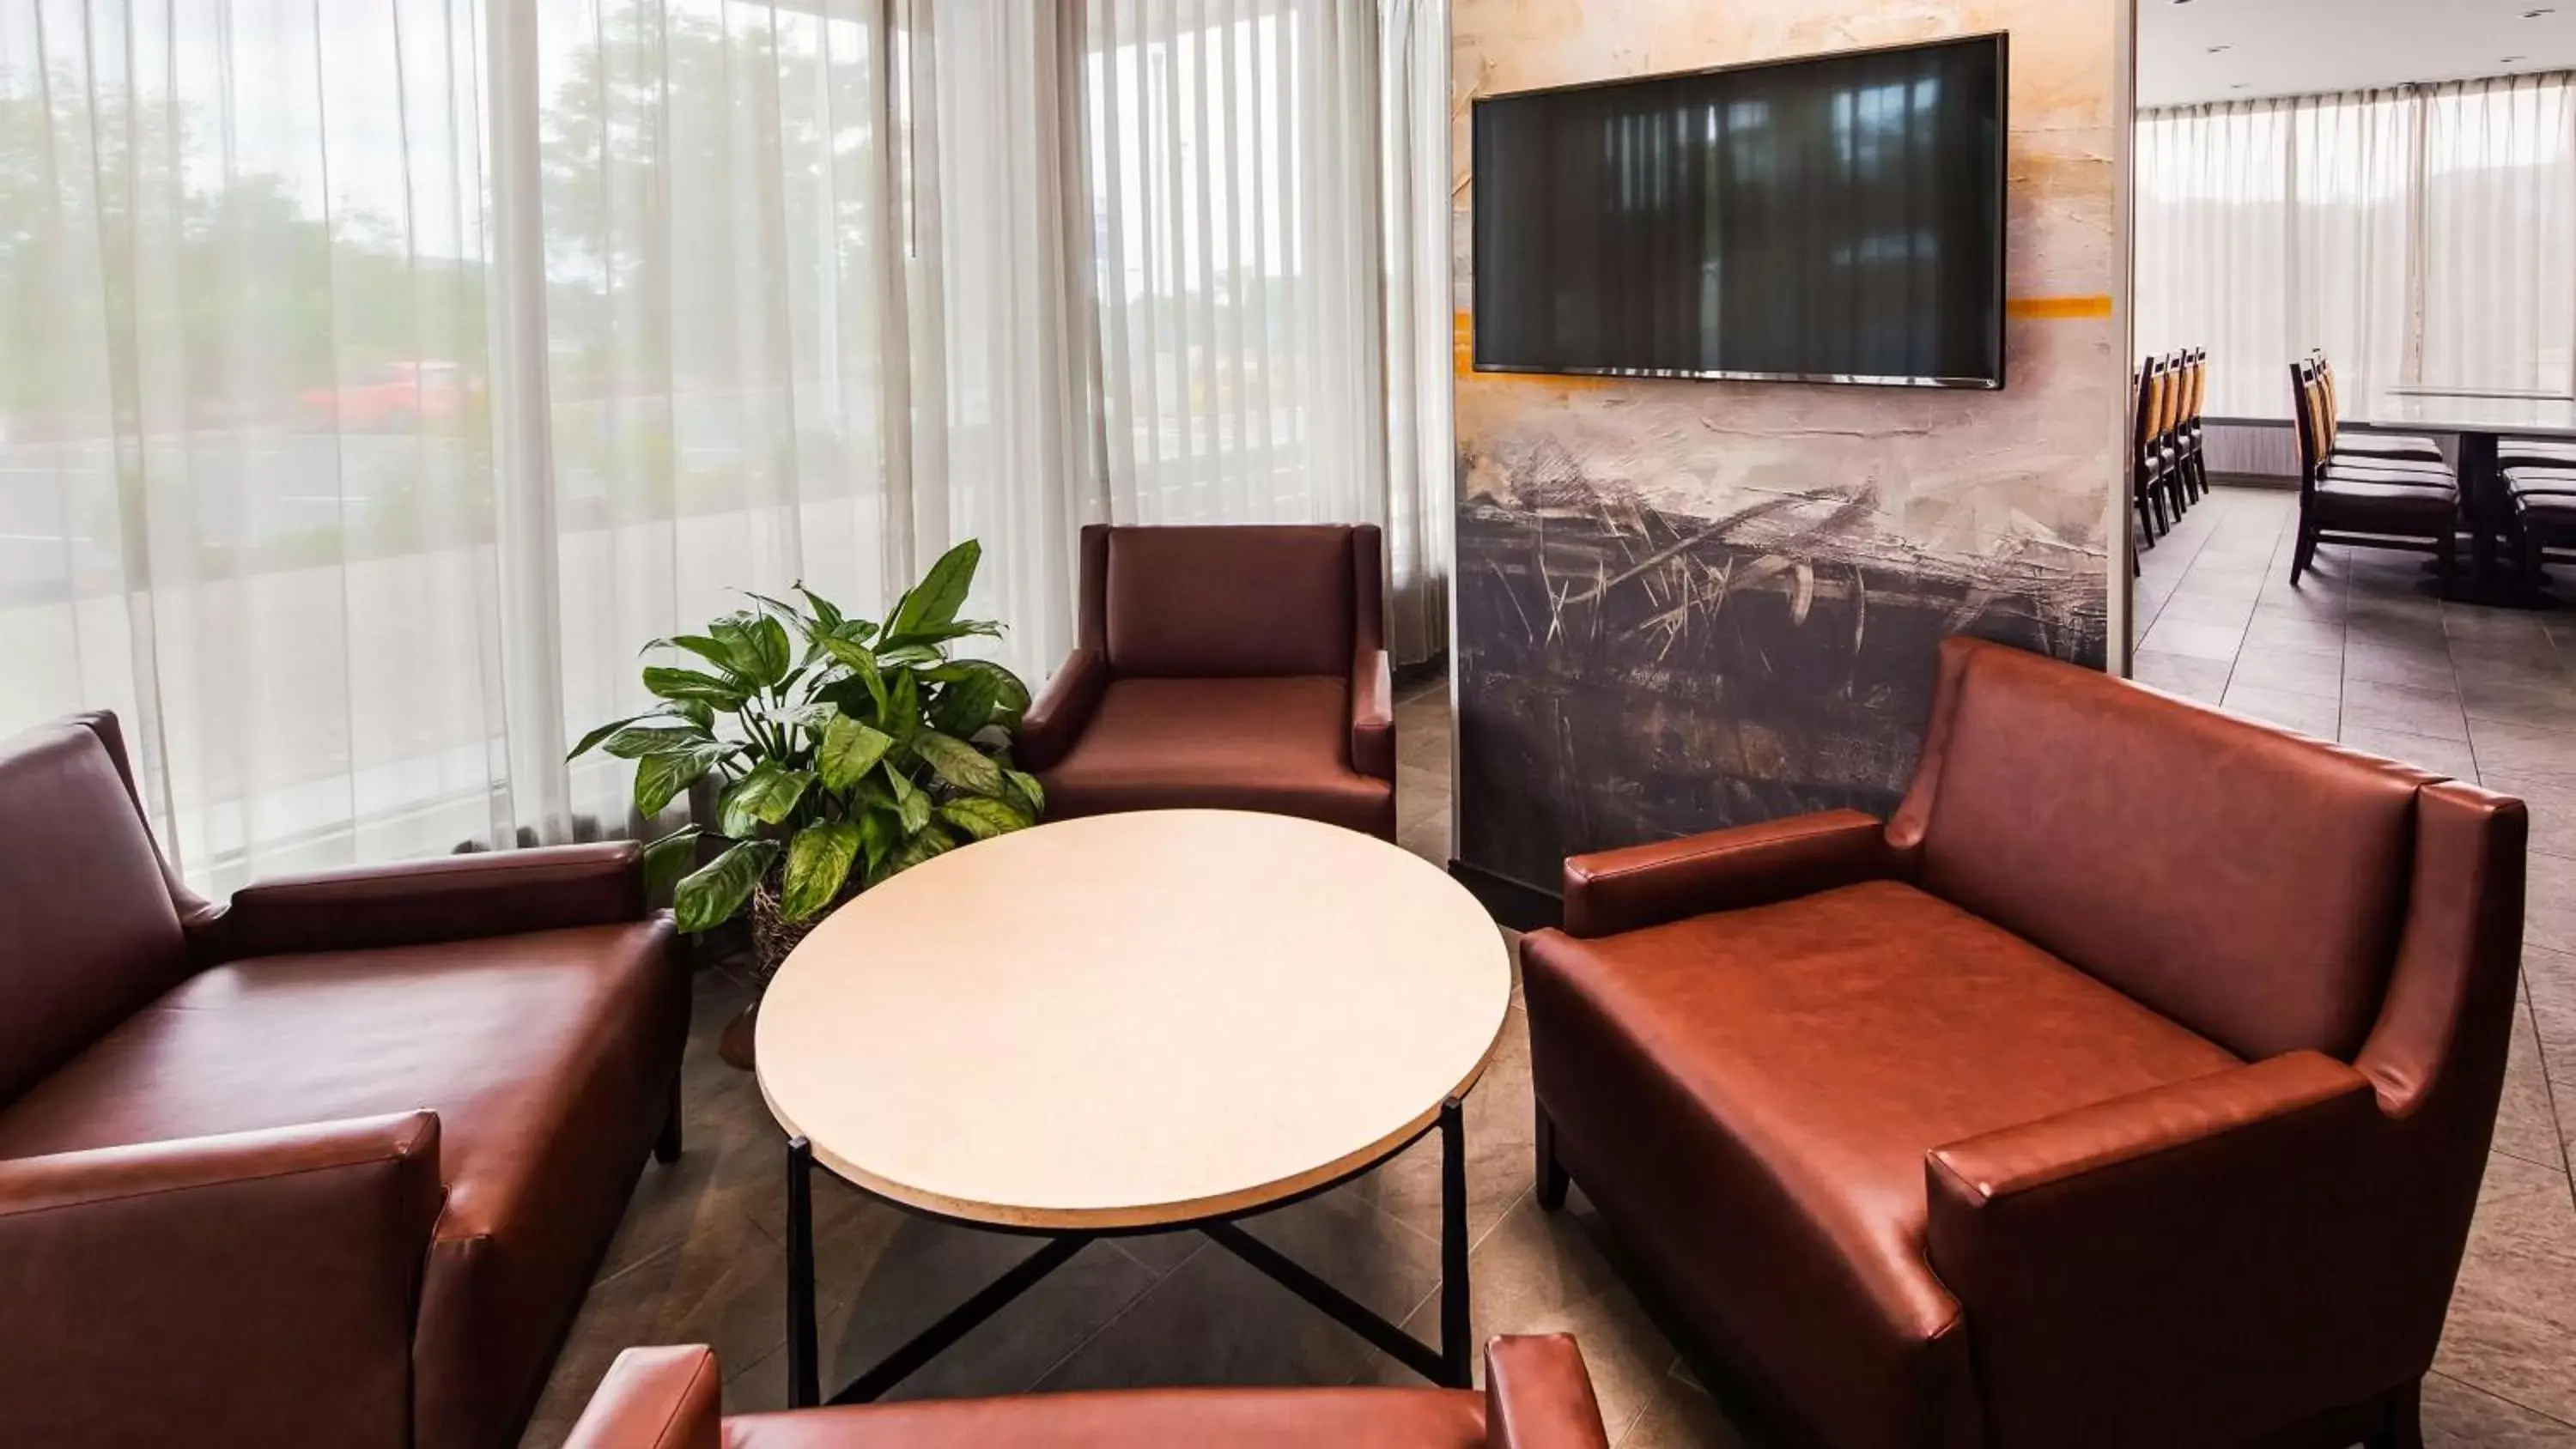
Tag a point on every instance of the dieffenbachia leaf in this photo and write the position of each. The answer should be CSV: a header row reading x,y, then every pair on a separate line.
x,y
849,750
941,592
1027,791
930,840
710,895
966,704
958,763
637,741
672,683
669,858
818,865
763,797
660,778
982,818
593,740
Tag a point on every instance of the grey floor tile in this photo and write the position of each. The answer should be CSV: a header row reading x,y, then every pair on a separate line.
x,y
2432,713
1546,1272
2526,1119
2544,700
2372,657
2549,903
2292,669
2306,713
2442,757
2460,1416
2193,640
2201,679
2512,1328
2534,757
1683,1416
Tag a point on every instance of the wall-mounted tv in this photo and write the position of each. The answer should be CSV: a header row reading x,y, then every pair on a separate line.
x,y
1834,219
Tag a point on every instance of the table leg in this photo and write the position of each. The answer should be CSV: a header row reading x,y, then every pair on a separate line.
x,y
2480,489
804,1382
1457,1353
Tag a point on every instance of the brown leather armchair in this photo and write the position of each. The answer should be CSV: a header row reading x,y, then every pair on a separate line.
x,y
333,1165
1241,668
1536,1396
2131,1086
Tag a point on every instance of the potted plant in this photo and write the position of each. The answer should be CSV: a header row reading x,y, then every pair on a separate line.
x,y
842,751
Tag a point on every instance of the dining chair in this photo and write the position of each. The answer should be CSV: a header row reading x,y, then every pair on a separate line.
x,y
2195,392
2146,461
2541,498
2396,504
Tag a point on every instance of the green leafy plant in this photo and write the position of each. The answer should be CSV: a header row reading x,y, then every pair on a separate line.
x,y
847,750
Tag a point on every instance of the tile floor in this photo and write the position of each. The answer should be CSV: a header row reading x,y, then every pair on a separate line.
x,y
2353,654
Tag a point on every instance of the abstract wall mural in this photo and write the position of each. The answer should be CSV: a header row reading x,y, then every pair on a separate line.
x,y
1682,605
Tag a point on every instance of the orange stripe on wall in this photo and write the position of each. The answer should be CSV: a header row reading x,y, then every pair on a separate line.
x,y
2056,309
2029,309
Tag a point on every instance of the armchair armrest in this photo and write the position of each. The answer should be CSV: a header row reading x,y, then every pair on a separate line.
x,y
2133,1268
1373,714
1537,1395
258,1287
448,898
1062,712
654,1398
1611,891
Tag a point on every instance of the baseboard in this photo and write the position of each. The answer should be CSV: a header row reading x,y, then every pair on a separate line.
x,y
2255,480
1510,902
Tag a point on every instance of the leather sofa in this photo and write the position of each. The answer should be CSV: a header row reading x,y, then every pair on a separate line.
x,y
1238,668
2132,1085
1536,1396
333,1165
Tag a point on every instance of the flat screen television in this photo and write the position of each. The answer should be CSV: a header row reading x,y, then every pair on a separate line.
x,y
1834,219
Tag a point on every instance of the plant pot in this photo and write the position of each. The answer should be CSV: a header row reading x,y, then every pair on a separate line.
x,y
735,1045
772,938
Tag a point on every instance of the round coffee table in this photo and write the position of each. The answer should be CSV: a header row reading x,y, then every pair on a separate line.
x,y
1144,1022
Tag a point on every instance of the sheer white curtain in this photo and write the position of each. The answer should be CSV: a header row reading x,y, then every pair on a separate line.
x,y
375,379
246,487
2212,247
2500,234
1239,171
2419,235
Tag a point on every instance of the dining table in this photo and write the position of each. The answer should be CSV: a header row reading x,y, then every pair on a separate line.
x,y
2479,421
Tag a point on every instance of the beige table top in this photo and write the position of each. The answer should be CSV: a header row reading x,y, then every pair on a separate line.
x,y
1128,1020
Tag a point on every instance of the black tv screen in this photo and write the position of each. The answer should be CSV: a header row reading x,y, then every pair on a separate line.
x,y
1836,219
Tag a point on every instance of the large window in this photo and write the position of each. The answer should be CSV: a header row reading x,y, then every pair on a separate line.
x,y
375,378
2421,236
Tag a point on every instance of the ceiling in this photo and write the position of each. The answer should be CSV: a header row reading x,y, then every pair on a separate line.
x,y
2303,47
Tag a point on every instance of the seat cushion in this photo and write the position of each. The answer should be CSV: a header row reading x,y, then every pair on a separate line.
x,y
1281,745
1209,1418
1751,1096
548,1058
2546,452
2377,505
2402,445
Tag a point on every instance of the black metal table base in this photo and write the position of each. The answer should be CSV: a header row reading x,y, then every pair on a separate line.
x,y
1450,1364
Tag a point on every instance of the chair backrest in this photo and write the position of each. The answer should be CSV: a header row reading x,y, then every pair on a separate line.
x,y
2197,390
1242,600
89,931
2306,410
2151,404
2245,882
